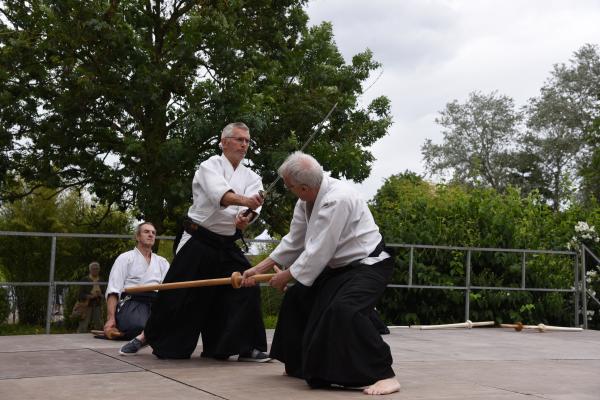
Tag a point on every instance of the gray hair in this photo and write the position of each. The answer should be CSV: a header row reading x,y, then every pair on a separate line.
x,y
138,228
228,130
302,169
94,264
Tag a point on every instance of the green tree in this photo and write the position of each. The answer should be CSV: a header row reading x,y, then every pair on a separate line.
x,y
477,142
28,259
577,84
590,166
554,139
126,98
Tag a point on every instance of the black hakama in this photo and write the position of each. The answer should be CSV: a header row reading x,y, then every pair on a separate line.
x,y
324,333
229,320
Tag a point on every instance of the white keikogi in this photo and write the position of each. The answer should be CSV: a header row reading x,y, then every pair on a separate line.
x,y
212,180
336,232
132,269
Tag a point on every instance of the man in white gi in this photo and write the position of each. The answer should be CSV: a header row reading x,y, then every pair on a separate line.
x,y
336,254
229,320
129,312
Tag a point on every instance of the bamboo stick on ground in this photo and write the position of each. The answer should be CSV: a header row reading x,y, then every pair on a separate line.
x,y
541,327
468,324
235,280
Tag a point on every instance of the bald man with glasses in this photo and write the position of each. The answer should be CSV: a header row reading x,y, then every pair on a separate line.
x,y
229,320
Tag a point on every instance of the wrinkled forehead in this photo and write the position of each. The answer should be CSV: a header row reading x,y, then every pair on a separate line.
x,y
147,228
239,132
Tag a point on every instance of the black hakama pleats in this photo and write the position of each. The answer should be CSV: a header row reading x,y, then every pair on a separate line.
x,y
229,320
324,333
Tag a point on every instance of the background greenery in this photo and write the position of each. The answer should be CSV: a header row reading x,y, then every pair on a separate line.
x,y
107,108
409,209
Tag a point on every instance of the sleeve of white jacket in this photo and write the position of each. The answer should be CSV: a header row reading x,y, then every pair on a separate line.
x,y
118,275
321,247
214,184
164,268
292,244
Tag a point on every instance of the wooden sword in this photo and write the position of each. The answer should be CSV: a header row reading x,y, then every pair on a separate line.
x,y
235,280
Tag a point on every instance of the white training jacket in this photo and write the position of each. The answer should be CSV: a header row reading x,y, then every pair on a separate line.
x,y
339,230
131,269
216,177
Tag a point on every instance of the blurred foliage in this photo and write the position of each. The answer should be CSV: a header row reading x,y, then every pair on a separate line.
x,y
27,259
410,210
4,305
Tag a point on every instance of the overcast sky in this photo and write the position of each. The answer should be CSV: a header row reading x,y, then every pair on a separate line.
x,y
435,51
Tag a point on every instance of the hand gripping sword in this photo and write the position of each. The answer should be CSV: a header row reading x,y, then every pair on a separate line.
x,y
265,193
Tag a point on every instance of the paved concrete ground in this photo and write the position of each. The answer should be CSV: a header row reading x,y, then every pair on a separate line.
x,y
482,363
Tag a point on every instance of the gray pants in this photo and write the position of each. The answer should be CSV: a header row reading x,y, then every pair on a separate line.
x,y
93,315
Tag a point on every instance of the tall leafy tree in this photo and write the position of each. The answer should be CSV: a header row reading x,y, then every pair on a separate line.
x,y
553,142
578,84
590,167
478,140
126,98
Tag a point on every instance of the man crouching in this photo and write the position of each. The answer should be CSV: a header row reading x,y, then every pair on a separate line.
x,y
336,254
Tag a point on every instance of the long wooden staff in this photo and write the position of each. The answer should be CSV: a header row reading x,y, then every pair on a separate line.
x,y
235,281
540,327
468,324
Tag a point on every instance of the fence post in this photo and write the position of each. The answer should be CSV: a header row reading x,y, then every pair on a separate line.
x,y
468,286
410,266
523,270
51,286
583,287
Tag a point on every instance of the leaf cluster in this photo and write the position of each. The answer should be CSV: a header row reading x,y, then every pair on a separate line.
x,y
125,98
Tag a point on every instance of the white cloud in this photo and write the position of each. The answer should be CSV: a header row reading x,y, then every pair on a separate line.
x,y
439,50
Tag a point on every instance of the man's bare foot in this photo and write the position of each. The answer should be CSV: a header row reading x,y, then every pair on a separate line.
x,y
384,386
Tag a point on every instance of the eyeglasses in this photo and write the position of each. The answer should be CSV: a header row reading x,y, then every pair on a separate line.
x,y
240,140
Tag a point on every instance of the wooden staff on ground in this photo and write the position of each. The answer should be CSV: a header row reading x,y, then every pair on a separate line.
x,y
540,327
468,324
235,280
112,333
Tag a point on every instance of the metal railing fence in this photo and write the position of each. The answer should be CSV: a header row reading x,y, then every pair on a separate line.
x,y
468,287
584,290
578,289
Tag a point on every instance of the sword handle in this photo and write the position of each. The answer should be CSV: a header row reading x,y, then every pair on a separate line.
x,y
247,212
262,194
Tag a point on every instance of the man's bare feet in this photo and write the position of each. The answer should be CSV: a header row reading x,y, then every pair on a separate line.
x,y
384,386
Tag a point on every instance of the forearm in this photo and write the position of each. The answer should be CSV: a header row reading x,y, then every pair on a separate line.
x,y
111,306
233,199
265,265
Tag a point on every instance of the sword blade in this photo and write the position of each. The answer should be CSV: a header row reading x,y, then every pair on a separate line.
x,y
310,138
265,193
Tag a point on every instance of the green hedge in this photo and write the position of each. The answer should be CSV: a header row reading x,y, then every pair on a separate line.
x,y
410,210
